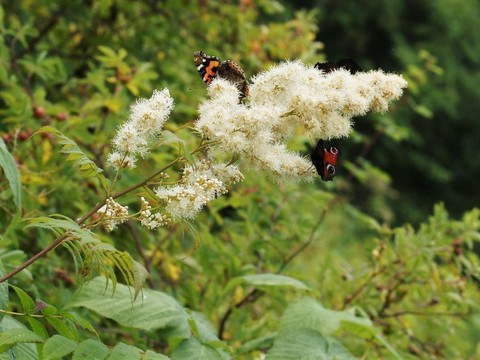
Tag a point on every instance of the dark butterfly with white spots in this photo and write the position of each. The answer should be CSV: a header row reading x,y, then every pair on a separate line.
x,y
325,160
329,66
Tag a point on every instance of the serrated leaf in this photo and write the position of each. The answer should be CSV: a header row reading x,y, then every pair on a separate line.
x,y
125,352
91,350
206,332
57,347
266,280
28,305
12,337
140,274
37,327
63,328
55,224
78,320
24,351
76,155
193,349
155,310
7,163
306,344
307,313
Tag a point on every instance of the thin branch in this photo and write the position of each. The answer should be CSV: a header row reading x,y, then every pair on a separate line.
x,y
305,245
362,287
254,294
34,258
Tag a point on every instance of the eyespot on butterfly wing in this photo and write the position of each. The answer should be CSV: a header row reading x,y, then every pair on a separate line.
x,y
325,160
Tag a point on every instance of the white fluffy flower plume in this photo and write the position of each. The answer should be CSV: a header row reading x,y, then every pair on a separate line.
x,y
289,96
200,183
147,117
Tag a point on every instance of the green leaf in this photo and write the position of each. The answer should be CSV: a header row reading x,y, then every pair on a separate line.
x,y
91,350
205,330
193,349
266,280
306,344
75,154
24,351
63,329
150,355
28,305
155,310
38,327
58,226
78,320
307,313
57,347
263,342
125,352
7,163
140,274
12,337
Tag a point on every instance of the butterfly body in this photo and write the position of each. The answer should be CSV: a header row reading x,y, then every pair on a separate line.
x,y
325,160
329,66
209,67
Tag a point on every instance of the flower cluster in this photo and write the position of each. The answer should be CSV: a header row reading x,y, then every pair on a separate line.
x,y
146,120
113,214
199,184
149,219
284,98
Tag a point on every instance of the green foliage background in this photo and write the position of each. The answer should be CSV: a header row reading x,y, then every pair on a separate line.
x,y
362,267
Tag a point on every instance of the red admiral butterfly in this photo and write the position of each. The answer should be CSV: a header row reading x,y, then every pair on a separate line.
x,y
329,66
325,160
209,67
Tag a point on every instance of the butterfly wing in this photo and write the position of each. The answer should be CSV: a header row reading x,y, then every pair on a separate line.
x,y
231,71
326,67
207,66
331,155
325,160
348,64
329,66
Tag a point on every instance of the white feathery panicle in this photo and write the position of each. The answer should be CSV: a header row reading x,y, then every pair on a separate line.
x,y
113,214
200,184
147,117
285,97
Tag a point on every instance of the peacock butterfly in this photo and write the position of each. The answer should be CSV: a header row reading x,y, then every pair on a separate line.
x,y
325,160
329,66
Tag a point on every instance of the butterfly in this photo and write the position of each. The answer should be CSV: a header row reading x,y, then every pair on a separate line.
x,y
209,67
329,66
325,160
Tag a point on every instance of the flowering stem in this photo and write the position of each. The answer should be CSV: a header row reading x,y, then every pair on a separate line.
x,y
81,220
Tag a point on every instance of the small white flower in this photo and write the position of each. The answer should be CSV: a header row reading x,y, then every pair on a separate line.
x,y
113,214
